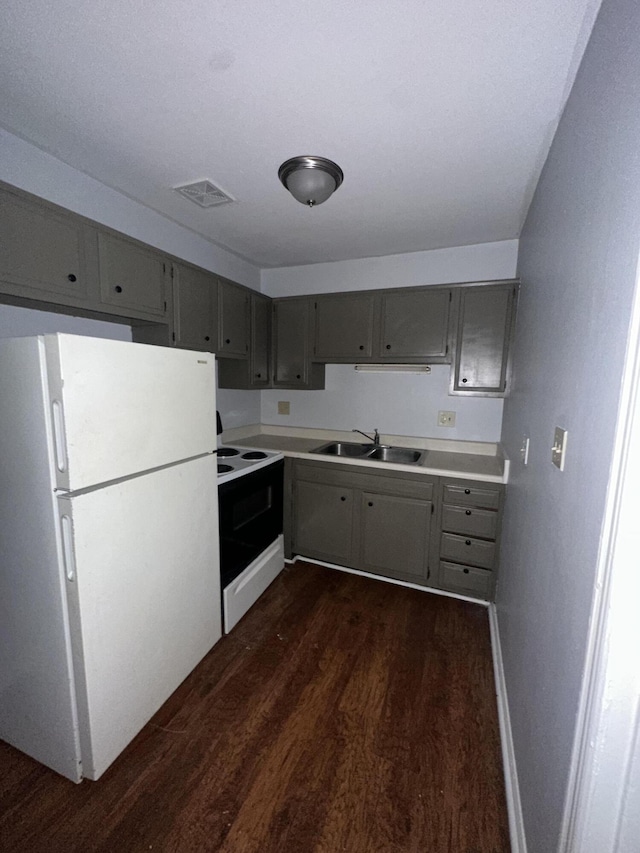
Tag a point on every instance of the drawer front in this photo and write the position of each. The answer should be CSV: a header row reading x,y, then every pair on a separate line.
x,y
467,580
471,495
463,549
474,522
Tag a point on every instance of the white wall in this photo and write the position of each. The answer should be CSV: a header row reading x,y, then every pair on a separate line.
x,y
37,172
20,322
578,253
397,404
482,262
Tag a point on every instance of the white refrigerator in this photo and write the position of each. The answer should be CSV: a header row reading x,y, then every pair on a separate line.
x,y
109,556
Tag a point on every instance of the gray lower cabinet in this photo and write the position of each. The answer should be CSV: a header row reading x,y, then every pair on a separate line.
x,y
470,523
344,326
195,308
134,279
46,254
486,317
292,336
395,535
233,320
415,325
378,522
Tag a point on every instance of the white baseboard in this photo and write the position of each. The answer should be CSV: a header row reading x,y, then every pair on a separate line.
x,y
514,806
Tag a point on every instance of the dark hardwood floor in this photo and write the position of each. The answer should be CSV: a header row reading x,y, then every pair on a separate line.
x,y
342,714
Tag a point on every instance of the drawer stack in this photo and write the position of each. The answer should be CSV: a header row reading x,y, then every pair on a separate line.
x,y
470,529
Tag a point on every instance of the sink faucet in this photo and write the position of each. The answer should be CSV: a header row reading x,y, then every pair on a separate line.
x,y
375,438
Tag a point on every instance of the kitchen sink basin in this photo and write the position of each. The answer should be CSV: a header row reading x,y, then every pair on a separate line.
x,y
344,448
372,452
400,455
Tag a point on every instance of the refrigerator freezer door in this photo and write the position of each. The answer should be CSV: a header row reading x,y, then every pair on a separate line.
x,y
119,408
144,598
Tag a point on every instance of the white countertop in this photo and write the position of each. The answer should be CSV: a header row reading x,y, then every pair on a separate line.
x,y
461,459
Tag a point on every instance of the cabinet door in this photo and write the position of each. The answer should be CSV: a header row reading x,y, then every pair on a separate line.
x,y
344,327
133,278
233,320
260,360
42,252
292,331
395,536
195,305
323,522
415,325
484,328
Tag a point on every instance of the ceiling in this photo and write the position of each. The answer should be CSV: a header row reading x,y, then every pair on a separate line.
x,y
440,112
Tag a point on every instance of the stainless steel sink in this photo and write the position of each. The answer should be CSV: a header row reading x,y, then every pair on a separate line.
x,y
400,455
374,453
344,448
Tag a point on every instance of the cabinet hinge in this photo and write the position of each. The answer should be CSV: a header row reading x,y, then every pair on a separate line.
x,y
432,509
164,267
165,304
446,349
173,336
450,296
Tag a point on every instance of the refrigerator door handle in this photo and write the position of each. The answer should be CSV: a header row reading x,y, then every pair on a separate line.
x,y
67,548
59,436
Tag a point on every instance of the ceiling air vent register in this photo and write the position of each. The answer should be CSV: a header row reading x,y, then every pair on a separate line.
x,y
204,194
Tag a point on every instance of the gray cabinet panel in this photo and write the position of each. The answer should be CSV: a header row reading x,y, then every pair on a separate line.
x,y
470,521
260,341
195,294
484,331
466,580
465,549
395,534
472,494
344,326
292,330
43,252
415,324
324,522
133,278
233,320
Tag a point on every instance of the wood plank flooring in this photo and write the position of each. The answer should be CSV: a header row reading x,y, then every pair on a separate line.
x,y
342,714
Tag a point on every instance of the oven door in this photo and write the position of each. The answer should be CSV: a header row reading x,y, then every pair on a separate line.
x,y
250,512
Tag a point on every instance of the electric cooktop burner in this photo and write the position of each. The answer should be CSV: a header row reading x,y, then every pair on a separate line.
x,y
228,451
254,454
224,469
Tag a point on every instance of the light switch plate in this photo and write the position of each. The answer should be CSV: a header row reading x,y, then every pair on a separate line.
x,y
446,419
284,407
559,448
524,450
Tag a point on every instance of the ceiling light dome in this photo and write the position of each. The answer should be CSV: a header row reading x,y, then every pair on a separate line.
x,y
310,180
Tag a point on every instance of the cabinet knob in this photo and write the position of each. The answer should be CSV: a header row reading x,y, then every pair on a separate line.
x,y
464,381
227,340
360,347
467,541
389,347
206,337
467,491
342,498
466,571
72,277
258,376
467,512
370,503
117,288
298,376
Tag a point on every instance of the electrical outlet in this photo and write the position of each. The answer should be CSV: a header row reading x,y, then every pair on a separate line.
x,y
284,407
559,448
446,419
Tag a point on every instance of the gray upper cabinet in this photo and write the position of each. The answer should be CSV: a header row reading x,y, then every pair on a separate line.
x,y
195,302
292,330
133,278
414,325
254,373
46,254
485,324
233,320
344,326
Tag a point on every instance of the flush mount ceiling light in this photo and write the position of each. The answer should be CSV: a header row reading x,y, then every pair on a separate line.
x,y
310,180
